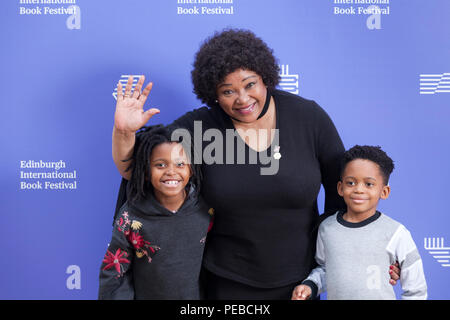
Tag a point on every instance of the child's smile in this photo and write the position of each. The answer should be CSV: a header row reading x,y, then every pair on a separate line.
x,y
171,183
362,186
170,173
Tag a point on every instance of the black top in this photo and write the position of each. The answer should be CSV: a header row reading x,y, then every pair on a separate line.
x,y
155,253
265,225
348,224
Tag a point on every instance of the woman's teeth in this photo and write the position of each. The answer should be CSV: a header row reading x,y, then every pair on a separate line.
x,y
249,109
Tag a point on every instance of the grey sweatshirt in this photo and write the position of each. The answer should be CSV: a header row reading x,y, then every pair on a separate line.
x,y
354,258
155,253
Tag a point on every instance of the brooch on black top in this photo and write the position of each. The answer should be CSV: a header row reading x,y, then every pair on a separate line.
x,y
277,154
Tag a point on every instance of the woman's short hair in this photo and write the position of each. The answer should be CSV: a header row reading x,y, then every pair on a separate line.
x,y
226,52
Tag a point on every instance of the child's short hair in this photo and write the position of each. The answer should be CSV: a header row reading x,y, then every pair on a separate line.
x,y
372,153
147,139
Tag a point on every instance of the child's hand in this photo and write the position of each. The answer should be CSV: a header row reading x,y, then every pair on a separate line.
x,y
301,292
130,115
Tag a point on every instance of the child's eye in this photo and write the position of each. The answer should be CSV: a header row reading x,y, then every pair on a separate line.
x,y
350,183
369,184
180,164
160,165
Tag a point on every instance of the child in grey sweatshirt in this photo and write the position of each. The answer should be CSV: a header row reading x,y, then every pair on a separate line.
x,y
355,248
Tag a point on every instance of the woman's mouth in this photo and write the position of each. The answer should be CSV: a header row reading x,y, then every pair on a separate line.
x,y
247,110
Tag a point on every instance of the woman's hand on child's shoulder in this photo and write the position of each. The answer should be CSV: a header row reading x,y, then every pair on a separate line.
x,y
394,272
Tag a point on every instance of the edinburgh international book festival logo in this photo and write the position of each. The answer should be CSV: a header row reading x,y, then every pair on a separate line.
x,y
435,246
435,83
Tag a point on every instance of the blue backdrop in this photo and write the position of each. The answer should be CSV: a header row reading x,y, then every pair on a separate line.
x,y
383,78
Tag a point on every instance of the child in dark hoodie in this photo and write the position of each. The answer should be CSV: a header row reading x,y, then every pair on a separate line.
x,y
159,233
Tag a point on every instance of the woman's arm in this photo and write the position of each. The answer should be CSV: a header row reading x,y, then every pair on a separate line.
x,y
129,117
330,148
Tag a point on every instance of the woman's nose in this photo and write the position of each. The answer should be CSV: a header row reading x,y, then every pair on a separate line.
x,y
243,97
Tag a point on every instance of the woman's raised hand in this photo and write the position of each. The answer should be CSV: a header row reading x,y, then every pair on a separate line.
x,y
130,115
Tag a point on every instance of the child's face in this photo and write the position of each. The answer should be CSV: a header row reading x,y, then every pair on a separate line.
x,y
362,186
169,170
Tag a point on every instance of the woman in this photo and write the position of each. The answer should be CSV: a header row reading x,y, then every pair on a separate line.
x,y
263,240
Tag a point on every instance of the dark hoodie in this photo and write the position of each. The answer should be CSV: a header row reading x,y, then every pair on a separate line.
x,y
155,253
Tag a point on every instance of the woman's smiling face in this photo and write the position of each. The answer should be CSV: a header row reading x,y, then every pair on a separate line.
x,y
242,95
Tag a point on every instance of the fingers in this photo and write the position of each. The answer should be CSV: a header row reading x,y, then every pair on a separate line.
x,y
301,292
394,271
146,92
128,87
119,91
394,276
136,94
150,113
392,282
153,111
295,293
304,296
295,296
137,89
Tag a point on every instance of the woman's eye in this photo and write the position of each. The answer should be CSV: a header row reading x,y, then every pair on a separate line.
x,y
227,92
251,84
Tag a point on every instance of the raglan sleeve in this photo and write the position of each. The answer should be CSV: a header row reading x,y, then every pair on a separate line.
x,y
116,278
412,277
